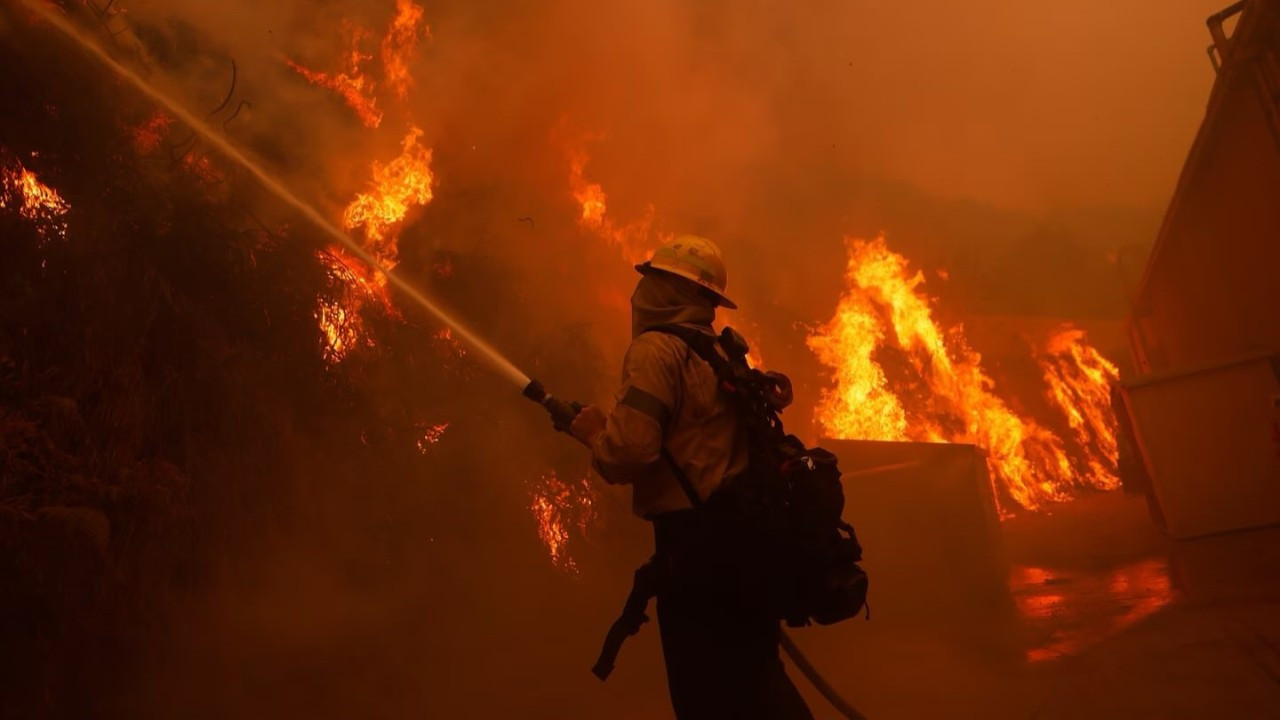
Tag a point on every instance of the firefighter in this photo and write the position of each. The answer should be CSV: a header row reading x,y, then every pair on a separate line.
x,y
672,436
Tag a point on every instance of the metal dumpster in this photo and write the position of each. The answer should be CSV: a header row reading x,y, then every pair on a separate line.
x,y
1205,436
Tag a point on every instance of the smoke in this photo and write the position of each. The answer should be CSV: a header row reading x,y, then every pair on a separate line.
x,y
1021,146
959,130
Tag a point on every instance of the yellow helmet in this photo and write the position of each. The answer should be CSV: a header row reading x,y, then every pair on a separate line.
x,y
693,258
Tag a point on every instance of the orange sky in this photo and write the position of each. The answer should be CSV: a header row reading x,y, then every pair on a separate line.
x,y
1031,104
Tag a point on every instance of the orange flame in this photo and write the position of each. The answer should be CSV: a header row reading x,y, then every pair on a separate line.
x,y
350,82
34,201
749,331
633,239
860,405
398,45
343,330
397,187
885,314
559,507
1079,383
340,317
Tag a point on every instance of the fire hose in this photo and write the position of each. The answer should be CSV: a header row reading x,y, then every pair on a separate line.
x,y
562,415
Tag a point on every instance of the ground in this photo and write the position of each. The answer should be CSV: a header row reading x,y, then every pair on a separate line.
x,y
1109,619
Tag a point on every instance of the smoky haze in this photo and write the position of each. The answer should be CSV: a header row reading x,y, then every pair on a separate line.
x,y
1027,148
967,132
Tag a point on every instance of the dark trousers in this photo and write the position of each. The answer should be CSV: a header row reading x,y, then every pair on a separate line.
x,y
719,632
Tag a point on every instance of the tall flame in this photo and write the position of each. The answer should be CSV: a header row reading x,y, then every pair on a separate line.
x,y
860,405
34,201
349,82
1079,380
945,394
396,188
398,46
633,239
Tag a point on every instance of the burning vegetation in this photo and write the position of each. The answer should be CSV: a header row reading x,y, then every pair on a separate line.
x,y
395,188
378,214
349,82
174,371
562,506
22,192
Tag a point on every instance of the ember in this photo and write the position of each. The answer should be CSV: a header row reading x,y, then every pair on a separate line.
x,y
431,435
202,166
150,132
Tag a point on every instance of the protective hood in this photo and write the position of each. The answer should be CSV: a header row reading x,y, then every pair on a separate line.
x,y
660,299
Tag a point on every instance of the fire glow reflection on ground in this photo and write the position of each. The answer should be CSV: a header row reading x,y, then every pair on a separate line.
x,y
1066,612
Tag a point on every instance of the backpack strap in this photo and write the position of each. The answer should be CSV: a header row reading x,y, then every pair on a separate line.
x,y
648,578
685,483
704,346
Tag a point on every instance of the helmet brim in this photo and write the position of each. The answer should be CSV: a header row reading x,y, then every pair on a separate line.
x,y
722,300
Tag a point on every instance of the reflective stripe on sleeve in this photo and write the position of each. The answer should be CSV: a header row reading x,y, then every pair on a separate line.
x,y
648,404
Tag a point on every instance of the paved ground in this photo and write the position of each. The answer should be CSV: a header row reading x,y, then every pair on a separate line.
x,y
1211,650
1097,616
1109,619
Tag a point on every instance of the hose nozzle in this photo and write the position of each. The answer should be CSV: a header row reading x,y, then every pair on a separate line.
x,y
562,412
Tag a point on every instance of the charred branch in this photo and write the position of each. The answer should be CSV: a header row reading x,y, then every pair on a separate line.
x,y
230,91
243,104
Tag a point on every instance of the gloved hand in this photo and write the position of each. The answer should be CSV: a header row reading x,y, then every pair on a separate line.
x,y
588,425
